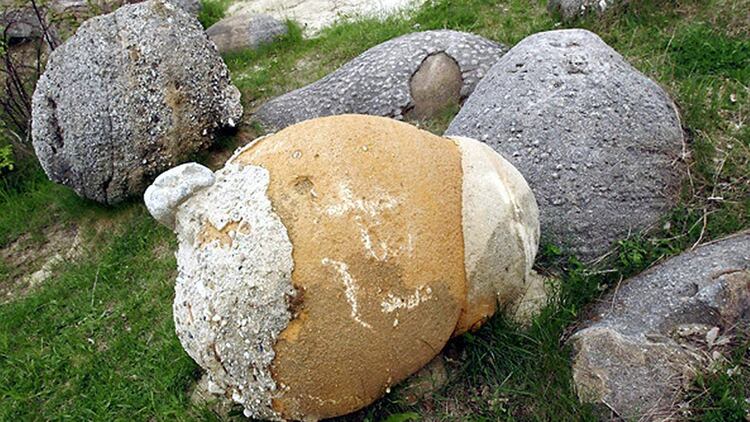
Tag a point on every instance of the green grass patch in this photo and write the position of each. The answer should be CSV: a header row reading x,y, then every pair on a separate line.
x,y
700,49
212,11
30,203
722,393
97,342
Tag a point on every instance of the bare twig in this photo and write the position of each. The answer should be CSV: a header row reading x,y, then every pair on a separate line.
x,y
45,28
703,230
93,289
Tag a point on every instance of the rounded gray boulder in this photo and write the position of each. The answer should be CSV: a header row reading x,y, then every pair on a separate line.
x,y
132,94
649,338
599,142
239,32
379,82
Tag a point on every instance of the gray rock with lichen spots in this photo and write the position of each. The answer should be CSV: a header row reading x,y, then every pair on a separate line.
x,y
599,143
191,6
570,10
240,32
91,7
378,81
647,339
133,93
19,23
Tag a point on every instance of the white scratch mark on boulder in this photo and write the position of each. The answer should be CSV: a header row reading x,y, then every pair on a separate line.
x,y
351,287
393,302
364,234
370,207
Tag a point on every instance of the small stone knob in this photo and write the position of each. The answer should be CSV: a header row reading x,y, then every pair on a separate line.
x,y
173,187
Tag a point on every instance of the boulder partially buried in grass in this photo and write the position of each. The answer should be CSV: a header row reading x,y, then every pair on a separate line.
x,y
647,340
324,264
416,75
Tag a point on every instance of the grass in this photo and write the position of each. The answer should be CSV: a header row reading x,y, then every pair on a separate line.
x,y
212,11
98,343
30,202
97,340
721,394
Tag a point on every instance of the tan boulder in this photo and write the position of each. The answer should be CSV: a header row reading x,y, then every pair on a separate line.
x,y
330,261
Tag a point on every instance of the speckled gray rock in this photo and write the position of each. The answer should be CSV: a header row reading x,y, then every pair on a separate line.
x,y
378,81
191,6
133,93
599,143
648,337
570,10
19,23
240,32
88,8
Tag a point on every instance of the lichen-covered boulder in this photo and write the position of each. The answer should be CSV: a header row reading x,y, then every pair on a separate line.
x,y
324,265
648,339
599,142
131,94
240,32
415,75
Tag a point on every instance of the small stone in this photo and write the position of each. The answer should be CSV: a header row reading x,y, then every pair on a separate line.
x,y
570,10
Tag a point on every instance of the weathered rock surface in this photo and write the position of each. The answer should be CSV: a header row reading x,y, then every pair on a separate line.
x,y
191,6
172,188
239,32
379,81
314,15
648,338
89,8
131,94
19,23
324,265
435,86
599,143
571,10
62,17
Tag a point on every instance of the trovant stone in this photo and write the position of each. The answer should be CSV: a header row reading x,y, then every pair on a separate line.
x,y
648,338
133,93
379,81
599,142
